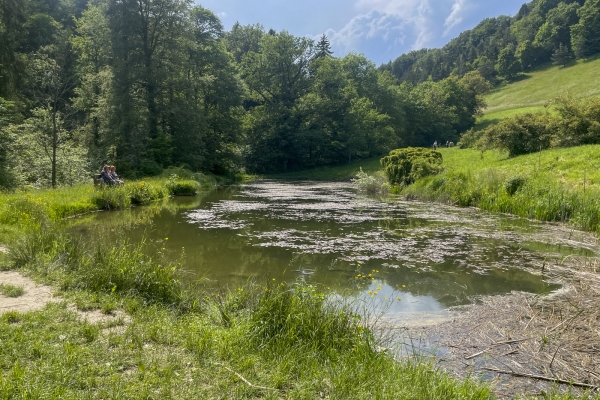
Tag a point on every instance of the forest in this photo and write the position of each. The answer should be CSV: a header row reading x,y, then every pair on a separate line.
x,y
502,47
149,84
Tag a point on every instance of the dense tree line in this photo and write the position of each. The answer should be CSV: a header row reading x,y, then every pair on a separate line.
x,y
148,84
542,31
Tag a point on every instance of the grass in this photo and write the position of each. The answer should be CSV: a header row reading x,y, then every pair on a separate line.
x,y
537,87
550,184
9,290
343,172
532,90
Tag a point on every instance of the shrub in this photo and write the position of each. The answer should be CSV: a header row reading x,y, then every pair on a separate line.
x,y
143,192
404,166
470,138
111,198
513,184
521,134
370,184
182,187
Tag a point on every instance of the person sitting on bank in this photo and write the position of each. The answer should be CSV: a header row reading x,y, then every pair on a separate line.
x,y
106,177
114,176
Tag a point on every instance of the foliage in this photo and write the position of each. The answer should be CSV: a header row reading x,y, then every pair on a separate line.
x,y
142,192
111,198
562,56
585,35
370,184
513,184
404,166
508,65
182,187
574,122
521,134
536,31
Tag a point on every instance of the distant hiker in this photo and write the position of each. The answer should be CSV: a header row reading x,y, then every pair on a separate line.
x,y
435,145
447,143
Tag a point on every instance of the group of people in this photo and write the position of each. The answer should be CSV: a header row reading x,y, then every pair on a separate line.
x,y
109,176
448,144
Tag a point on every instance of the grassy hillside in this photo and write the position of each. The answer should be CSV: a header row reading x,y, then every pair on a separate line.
x,y
529,93
563,165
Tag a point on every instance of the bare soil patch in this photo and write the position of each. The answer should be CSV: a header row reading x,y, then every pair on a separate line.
x,y
35,296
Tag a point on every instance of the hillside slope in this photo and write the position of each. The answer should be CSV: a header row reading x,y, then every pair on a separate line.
x,y
533,90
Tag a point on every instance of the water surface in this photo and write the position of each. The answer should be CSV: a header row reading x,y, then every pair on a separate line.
x,y
410,258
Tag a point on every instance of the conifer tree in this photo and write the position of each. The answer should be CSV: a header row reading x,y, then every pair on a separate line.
x,y
562,55
323,47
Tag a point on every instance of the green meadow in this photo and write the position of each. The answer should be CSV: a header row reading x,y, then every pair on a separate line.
x,y
532,90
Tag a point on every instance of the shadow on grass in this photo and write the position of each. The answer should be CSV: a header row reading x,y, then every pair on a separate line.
x,y
484,124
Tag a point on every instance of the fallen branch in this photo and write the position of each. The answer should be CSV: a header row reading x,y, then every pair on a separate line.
x,y
494,345
542,378
246,381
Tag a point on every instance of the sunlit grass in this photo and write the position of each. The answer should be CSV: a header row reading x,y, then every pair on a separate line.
x,y
560,185
535,88
9,290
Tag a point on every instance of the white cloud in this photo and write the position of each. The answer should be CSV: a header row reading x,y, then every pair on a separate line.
x,y
417,16
374,25
387,28
456,16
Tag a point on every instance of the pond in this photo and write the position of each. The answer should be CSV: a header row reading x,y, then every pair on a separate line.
x,y
412,260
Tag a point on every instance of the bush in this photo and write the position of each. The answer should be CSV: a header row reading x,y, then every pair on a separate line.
x,y
143,192
111,198
370,184
404,166
470,138
182,187
513,184
521,134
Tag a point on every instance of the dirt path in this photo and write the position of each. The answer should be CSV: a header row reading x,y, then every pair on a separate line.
x,y
35,296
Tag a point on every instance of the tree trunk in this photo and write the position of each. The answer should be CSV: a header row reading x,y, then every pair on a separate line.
x,y
54,146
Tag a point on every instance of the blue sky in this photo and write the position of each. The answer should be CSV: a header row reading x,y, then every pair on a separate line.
x,y
381,29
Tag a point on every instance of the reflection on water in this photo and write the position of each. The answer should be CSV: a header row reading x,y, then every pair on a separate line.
x,y
429,256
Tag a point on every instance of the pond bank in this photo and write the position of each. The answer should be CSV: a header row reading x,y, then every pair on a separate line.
x,y
265,340
529,343
162,338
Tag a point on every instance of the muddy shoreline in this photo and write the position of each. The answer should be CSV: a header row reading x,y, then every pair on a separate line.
x,y
536,340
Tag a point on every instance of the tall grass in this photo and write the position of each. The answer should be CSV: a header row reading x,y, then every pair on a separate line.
x,y
99,265
507,187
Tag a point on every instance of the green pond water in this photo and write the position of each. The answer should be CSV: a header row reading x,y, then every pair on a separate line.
x,y
430,256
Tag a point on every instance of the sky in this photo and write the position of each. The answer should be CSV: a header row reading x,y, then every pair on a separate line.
x,y
380,29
